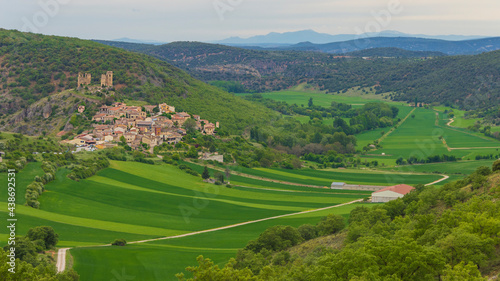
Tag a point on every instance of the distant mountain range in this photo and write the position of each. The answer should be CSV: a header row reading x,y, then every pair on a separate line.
x,y
136,41
466,47
290,38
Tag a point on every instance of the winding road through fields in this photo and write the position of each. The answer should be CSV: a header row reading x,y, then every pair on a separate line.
x,y
61,256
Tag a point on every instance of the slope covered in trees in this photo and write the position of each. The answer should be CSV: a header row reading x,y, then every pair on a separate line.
x,y
466,81
394,53
34,66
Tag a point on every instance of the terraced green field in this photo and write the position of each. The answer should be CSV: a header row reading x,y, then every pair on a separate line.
x,y
245,181
137,201
326,177
353,97
162,259
420,137
462,167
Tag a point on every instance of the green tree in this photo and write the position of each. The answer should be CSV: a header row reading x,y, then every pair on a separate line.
x,y
207,270
45,234
192,153
462,246
462,271
190,125
308,231
276,238
119,242
496,166
26,271
330,224
219,177
206,174
310,102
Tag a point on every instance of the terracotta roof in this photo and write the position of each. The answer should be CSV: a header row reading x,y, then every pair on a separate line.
x,y
400,188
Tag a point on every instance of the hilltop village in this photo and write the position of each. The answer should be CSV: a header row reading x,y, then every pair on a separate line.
x,y
140,127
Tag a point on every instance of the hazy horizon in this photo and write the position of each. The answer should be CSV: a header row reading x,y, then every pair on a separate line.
x,y
219,19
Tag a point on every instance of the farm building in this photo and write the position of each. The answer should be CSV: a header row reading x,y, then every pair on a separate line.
x,y
391,193
337,185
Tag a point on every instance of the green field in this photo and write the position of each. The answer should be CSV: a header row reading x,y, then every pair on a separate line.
x,y
417,136
137,201
420,137
161,260
459,119
326,177
459,168
354,97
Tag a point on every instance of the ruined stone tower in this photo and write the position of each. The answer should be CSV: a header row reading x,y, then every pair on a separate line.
x,y
84,79
107,79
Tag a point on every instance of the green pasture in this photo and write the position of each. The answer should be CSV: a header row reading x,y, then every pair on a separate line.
x,y
366,138
459,119
136,201
420,137
326,177
133,199
263,184
354,97
161,260
22,179
449,168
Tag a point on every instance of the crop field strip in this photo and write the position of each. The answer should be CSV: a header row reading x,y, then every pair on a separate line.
x,y
322,178
461,167
420,136
160,260
325,178
120,204
126,201
252,178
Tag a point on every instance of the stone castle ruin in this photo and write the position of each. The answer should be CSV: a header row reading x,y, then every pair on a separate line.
x,y
84,79
107,79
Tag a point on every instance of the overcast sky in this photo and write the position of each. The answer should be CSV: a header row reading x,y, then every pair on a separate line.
x,y
205,20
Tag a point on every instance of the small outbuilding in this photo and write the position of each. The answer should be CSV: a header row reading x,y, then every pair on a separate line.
x,y
391,193
337,185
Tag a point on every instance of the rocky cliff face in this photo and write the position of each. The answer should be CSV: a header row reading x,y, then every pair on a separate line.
x,y
48,115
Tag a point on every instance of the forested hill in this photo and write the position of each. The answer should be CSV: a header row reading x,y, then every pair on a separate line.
x,y
467,81
33,67
257,70
466,47
392,52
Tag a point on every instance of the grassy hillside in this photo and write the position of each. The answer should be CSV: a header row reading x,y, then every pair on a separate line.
x,y
36,66
137,201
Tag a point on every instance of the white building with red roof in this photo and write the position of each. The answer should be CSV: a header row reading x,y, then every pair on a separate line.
x,y
391,193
